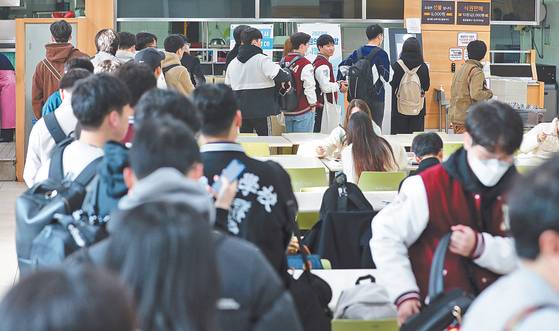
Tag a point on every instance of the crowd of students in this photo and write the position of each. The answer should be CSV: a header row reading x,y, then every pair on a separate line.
x,y
184,254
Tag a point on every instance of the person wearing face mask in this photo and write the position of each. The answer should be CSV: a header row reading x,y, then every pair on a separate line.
x,y
465,196
527,299
542,141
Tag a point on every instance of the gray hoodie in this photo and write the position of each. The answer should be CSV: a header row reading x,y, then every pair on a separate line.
x,y
169,185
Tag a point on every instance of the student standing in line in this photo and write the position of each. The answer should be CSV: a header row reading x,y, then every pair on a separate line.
x,y
50,70
235,51
192,63
146,40
100,103
302,118
152,58
381,65
412,59
55,100
464,196
126,47
176,75
107,44
253,77
327,87
41,142
259,212
468,86
365,150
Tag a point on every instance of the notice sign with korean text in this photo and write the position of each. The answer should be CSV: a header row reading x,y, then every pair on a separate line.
x,y
438,12
464,38
456,54
474,13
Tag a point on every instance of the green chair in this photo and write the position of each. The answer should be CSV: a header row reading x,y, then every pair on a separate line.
x,y
381,181
307,177
326,265
314,189
248,135
449,148
523,170
358,325
256,149
306,220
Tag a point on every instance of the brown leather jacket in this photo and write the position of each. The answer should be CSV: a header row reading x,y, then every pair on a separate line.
x,y
468,87
45,81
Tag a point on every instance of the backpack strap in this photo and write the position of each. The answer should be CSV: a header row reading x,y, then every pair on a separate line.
x,y
167,68
54,128
56,168
372,54
52,69
294,60
89,172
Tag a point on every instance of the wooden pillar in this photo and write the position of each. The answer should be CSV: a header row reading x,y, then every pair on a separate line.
x,y
438,39
100,14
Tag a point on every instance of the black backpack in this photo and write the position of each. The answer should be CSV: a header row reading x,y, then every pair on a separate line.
x,y
47,229
54,128
341,197
360,77
289,100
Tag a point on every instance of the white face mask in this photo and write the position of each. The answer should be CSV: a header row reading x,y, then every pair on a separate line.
x,y
488,172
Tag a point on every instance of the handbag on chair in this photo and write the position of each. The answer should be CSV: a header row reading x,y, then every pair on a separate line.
x,y
444,309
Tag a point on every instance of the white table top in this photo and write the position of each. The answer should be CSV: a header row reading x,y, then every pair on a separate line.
x,y
273,141
406,139
311,201
294,161
333,165
339,280
300,138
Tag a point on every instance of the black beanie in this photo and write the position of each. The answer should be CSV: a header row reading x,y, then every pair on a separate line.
x,y
477,50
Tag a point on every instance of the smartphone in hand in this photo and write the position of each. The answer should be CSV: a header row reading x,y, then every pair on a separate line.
x,y
232,172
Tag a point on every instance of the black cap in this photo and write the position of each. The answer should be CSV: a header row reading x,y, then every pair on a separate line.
x,y
150,57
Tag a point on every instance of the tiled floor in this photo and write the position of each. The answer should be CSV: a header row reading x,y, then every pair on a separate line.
x,y
9,191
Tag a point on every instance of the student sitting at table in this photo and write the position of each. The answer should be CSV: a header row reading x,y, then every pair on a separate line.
x,y
334,144
366,150
542,140
428,150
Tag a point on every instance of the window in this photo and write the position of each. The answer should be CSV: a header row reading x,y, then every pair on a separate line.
x,y
348,9
182,8
386,10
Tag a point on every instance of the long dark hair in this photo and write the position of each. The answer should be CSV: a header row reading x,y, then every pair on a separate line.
x,y
412,52
80,298
370,151
356,103
166,254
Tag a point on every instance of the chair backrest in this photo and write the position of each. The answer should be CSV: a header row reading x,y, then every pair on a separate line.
x,y
314,189
523,170
449,148
307,177
248,134
355,325
306,220
381,181
256,149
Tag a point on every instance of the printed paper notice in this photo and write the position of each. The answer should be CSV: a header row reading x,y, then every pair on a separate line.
x,y
456,54
464,38
413,25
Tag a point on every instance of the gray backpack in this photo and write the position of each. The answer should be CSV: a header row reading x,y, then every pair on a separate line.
x,y
368,301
